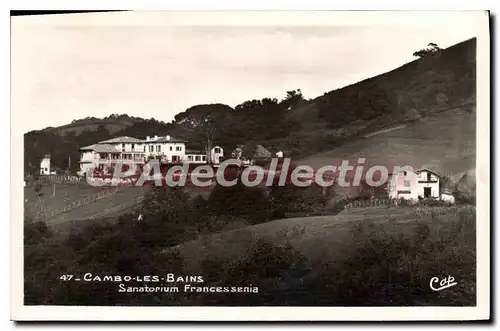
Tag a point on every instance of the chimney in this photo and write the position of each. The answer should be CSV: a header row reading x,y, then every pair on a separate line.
x,y
156,137
147,138
168,137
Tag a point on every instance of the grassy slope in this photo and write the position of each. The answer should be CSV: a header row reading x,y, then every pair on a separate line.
x,y
444,142
415,85
126,199
433,97
318,238
66,194
112,125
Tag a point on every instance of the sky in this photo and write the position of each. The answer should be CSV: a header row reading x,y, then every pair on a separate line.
x,y
157,64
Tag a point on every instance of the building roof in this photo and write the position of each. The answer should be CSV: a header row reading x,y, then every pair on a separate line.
x,y
195,152
164,139
100,148
428,170
417,171
124,139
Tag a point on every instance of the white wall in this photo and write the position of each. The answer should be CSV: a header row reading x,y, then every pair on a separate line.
x,y
402,183
85,167
88,156
432,182
448,197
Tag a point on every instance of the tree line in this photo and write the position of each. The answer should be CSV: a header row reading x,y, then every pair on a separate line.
x,y
204,126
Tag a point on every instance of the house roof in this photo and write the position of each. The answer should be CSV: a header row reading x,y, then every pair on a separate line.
x,y
428,170
194,151
100,148
124,139
164,139
418,171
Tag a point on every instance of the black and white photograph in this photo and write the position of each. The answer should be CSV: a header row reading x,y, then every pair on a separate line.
x,y
314,165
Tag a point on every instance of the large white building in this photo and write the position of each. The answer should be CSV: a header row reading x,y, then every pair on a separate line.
x,y
408,185
166,149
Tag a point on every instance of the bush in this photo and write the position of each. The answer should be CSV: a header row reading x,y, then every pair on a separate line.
x,y
386,267
35,232
434,203
251,203
270,267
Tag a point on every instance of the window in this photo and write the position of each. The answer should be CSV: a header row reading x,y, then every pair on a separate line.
x,y
151,148
170,148
404,173
197,158
217,150
144,148
175,158
133,146
203,158
178,148
158,148
429,177
190,158
123,147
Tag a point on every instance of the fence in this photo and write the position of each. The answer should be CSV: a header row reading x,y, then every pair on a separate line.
x,y
371,203
117,208
50,179
80,203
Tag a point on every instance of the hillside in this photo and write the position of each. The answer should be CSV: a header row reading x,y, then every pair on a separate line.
x,y
416,88
405,95
432,123
113,123
320,238
444,142
413,97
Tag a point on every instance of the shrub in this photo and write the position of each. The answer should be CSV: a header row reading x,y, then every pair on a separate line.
x,y
248,202
36,232
386,267
269,266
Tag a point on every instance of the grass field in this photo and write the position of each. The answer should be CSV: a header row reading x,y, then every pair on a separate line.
x,y
317,237
445,143
126,199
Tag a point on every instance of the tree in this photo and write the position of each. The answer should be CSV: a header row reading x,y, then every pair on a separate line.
x,y
203,123
431,49
292,99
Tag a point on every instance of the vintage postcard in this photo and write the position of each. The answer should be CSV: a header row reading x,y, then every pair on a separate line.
x,y
244,166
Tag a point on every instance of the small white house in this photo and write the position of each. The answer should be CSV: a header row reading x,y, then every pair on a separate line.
x,y
45,165
216,154
409,185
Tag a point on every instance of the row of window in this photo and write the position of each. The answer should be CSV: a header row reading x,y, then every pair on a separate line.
x,y
152,148
175,158
158,148
197,158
